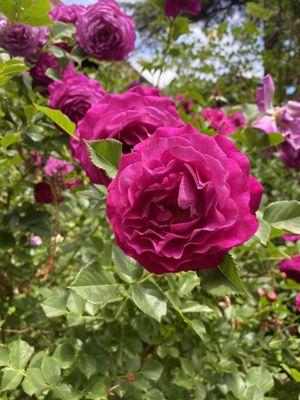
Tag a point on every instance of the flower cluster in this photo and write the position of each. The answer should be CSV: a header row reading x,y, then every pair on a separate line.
x,y
222,123
284,120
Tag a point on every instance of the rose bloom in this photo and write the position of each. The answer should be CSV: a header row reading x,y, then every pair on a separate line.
x,y
175,7
238,119
21,40
291,267
38,72
284,120
105,32
129,117
67,13
74,93
43,193
181,200
291,238
220,122
54,166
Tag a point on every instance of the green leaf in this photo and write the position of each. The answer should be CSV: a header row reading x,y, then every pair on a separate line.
x,y
8,8
64,355
11,69
224,280
9,139
270,140
284,215
4,356
66,392
150,301
199,328
229,269
180,27
58,118
11,379
95,285
105,154
50,370
75,303
152,370
260,378
195,307
20,353
34,382
54,306
257,10
87,365
37,14
127,268
264,231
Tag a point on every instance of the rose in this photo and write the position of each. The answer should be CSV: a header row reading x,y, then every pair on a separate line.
x,y
181,200
67,13
54,166
74,93
43,193
105,32
297,303
291,238
290,154
175,7
38,71
238,119
291,267
21,40
129,117
220,122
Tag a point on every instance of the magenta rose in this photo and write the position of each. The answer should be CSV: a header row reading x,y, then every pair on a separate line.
x,y
43,193
219,121
74,93
67,13
55,166
105,32
181,200
175,7
21,40
297,303
238,119
291,238
38,72
130,117
291,267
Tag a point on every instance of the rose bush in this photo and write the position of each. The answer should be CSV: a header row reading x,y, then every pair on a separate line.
x,y
182,200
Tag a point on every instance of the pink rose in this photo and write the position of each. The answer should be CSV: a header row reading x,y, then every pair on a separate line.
x,y
291,238
130,117
181,200
291,267
54,166
74,93
67,13
238,119
36,240
175,7
105,32
220,122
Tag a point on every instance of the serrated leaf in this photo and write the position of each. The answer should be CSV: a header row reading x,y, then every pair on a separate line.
x,y
264,231
127,268
149,300
20,353
75,303
34,381
261,378
198,327
194,307
37,14
4,356
105,154
229,269
50,370
95,285
54,306
11,379
152,369
284,215
58,118
8,8
66,392
88,365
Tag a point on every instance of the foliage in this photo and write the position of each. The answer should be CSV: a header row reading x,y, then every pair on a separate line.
x,y
78,318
